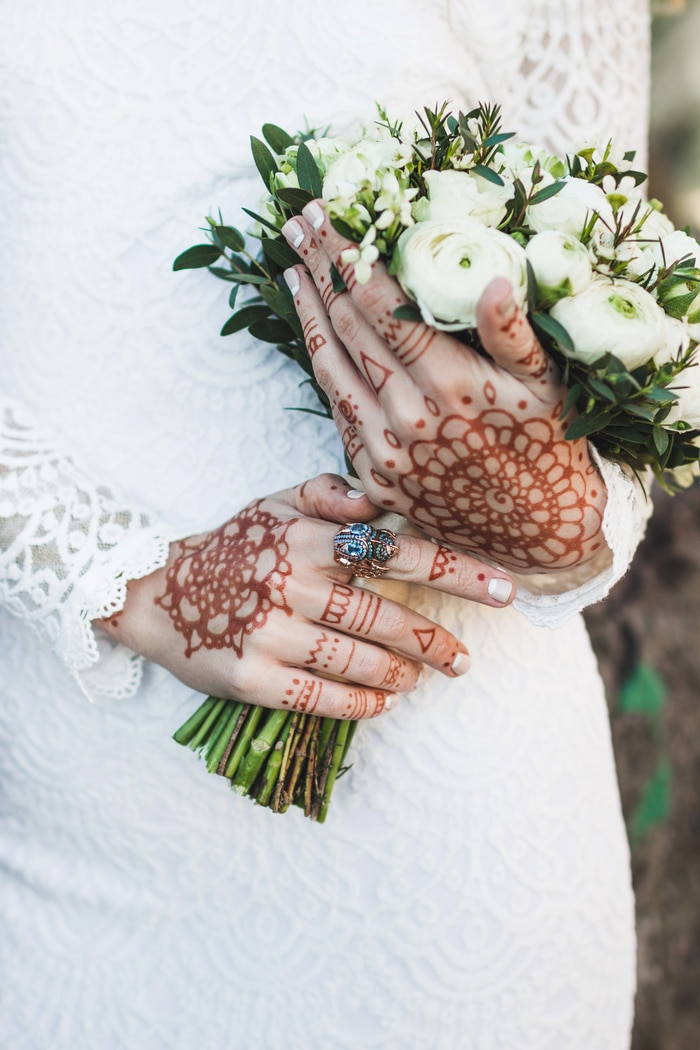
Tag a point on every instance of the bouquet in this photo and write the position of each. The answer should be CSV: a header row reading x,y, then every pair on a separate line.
x,y
611,288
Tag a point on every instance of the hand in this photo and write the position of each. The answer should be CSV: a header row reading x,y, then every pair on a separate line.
x,y
258,610
471,450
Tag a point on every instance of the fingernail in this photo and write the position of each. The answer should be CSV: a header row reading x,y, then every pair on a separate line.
x,y
500,590
461,664
355,494
293,232
314,214
389,701
507,307
292,279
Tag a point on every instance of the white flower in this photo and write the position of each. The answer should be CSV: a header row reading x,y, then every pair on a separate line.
x,y
675,247
393,202
522,156
677,341
363,165
654,224
363,256
687,387
616,317
560,264
460,195
571,209
445,266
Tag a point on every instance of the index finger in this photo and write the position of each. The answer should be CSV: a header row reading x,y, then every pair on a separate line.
x,y
377,298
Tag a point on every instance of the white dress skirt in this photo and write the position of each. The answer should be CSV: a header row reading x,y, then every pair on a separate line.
x,y
471,887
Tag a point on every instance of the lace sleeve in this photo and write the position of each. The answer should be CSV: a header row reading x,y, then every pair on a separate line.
x,y
67,549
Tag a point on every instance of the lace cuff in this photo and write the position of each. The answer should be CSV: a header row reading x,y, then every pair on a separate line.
x,y
549,599
68,548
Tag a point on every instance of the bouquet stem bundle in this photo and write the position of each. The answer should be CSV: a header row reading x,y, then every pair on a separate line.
x,y
276,758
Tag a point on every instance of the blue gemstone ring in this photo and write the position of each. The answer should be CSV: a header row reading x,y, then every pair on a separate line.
x,y
363,549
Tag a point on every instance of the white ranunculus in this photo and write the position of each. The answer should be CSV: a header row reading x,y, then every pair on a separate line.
x,y
675,247
461,195
445,266
687,387
560,264
571,208
363,165
616,317
522,156
654,223
677,341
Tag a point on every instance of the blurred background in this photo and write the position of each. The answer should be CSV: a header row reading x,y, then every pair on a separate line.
x,y
647,633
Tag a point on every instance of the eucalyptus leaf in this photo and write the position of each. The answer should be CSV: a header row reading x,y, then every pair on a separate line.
x,y
546,193
337,281
407,312
250,278
230,237
293,198
243,318
661,439
279,252
488,173
307,171
261,220
265,162
587,424
271,330
545,323
197,257
278,139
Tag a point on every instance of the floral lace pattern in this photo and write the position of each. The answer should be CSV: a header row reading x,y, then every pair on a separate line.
x,y
151,908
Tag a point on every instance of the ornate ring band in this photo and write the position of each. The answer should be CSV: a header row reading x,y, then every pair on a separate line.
x,y
363,549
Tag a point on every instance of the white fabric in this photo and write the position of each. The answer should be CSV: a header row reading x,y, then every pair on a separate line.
x,y
471,888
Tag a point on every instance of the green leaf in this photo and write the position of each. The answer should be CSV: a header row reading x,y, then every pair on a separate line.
x,y
571,398
586,424
277,250
545,323
661,439
407,312
345,231
243,318
293,198
233,296
488,173
261,220
276,300
655,803
230,237
546,193
250,278
271,330
197,257
278,139
336,280
307,171
602,389
493,140
264,160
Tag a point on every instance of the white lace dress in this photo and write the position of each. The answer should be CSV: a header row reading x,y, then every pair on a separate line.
x,y
471,887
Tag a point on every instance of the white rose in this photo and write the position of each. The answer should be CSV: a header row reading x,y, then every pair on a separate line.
x,y
571,208
560,264
615,317
687,387
460,195
445,266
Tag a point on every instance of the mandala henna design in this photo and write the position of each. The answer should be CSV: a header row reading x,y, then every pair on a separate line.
x,y
503,487
222,589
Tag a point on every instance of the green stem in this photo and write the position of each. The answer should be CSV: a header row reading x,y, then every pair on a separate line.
x,y
325,767
258,751
202,735
240,720
251,724
352,729
288,750
338,752
218,746
274,766
308,722
310,772
188,729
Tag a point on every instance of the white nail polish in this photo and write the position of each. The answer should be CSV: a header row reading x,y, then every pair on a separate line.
x,y
355,494
292,279
314,215
389,701
500,590
293,233
461,664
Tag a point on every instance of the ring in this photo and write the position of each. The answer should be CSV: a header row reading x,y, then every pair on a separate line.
x,y
364,550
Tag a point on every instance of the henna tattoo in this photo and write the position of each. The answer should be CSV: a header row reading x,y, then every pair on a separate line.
x,y
223,588
304,696
348,410
314,340
425,637
326,651
392,679
361,703
351,441
356,610
392,439
377,374
413,345
380,480
432,406
502,487
443,564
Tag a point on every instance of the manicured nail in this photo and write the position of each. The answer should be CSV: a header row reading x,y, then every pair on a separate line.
x,y
355,494
292,279
500,590
507,307
314,214
293,232
389,701
461,664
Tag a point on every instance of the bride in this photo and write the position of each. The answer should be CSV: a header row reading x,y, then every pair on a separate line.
x,y
471,888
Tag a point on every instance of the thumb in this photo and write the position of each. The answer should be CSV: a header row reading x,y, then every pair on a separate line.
x,y
331,498
507,336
